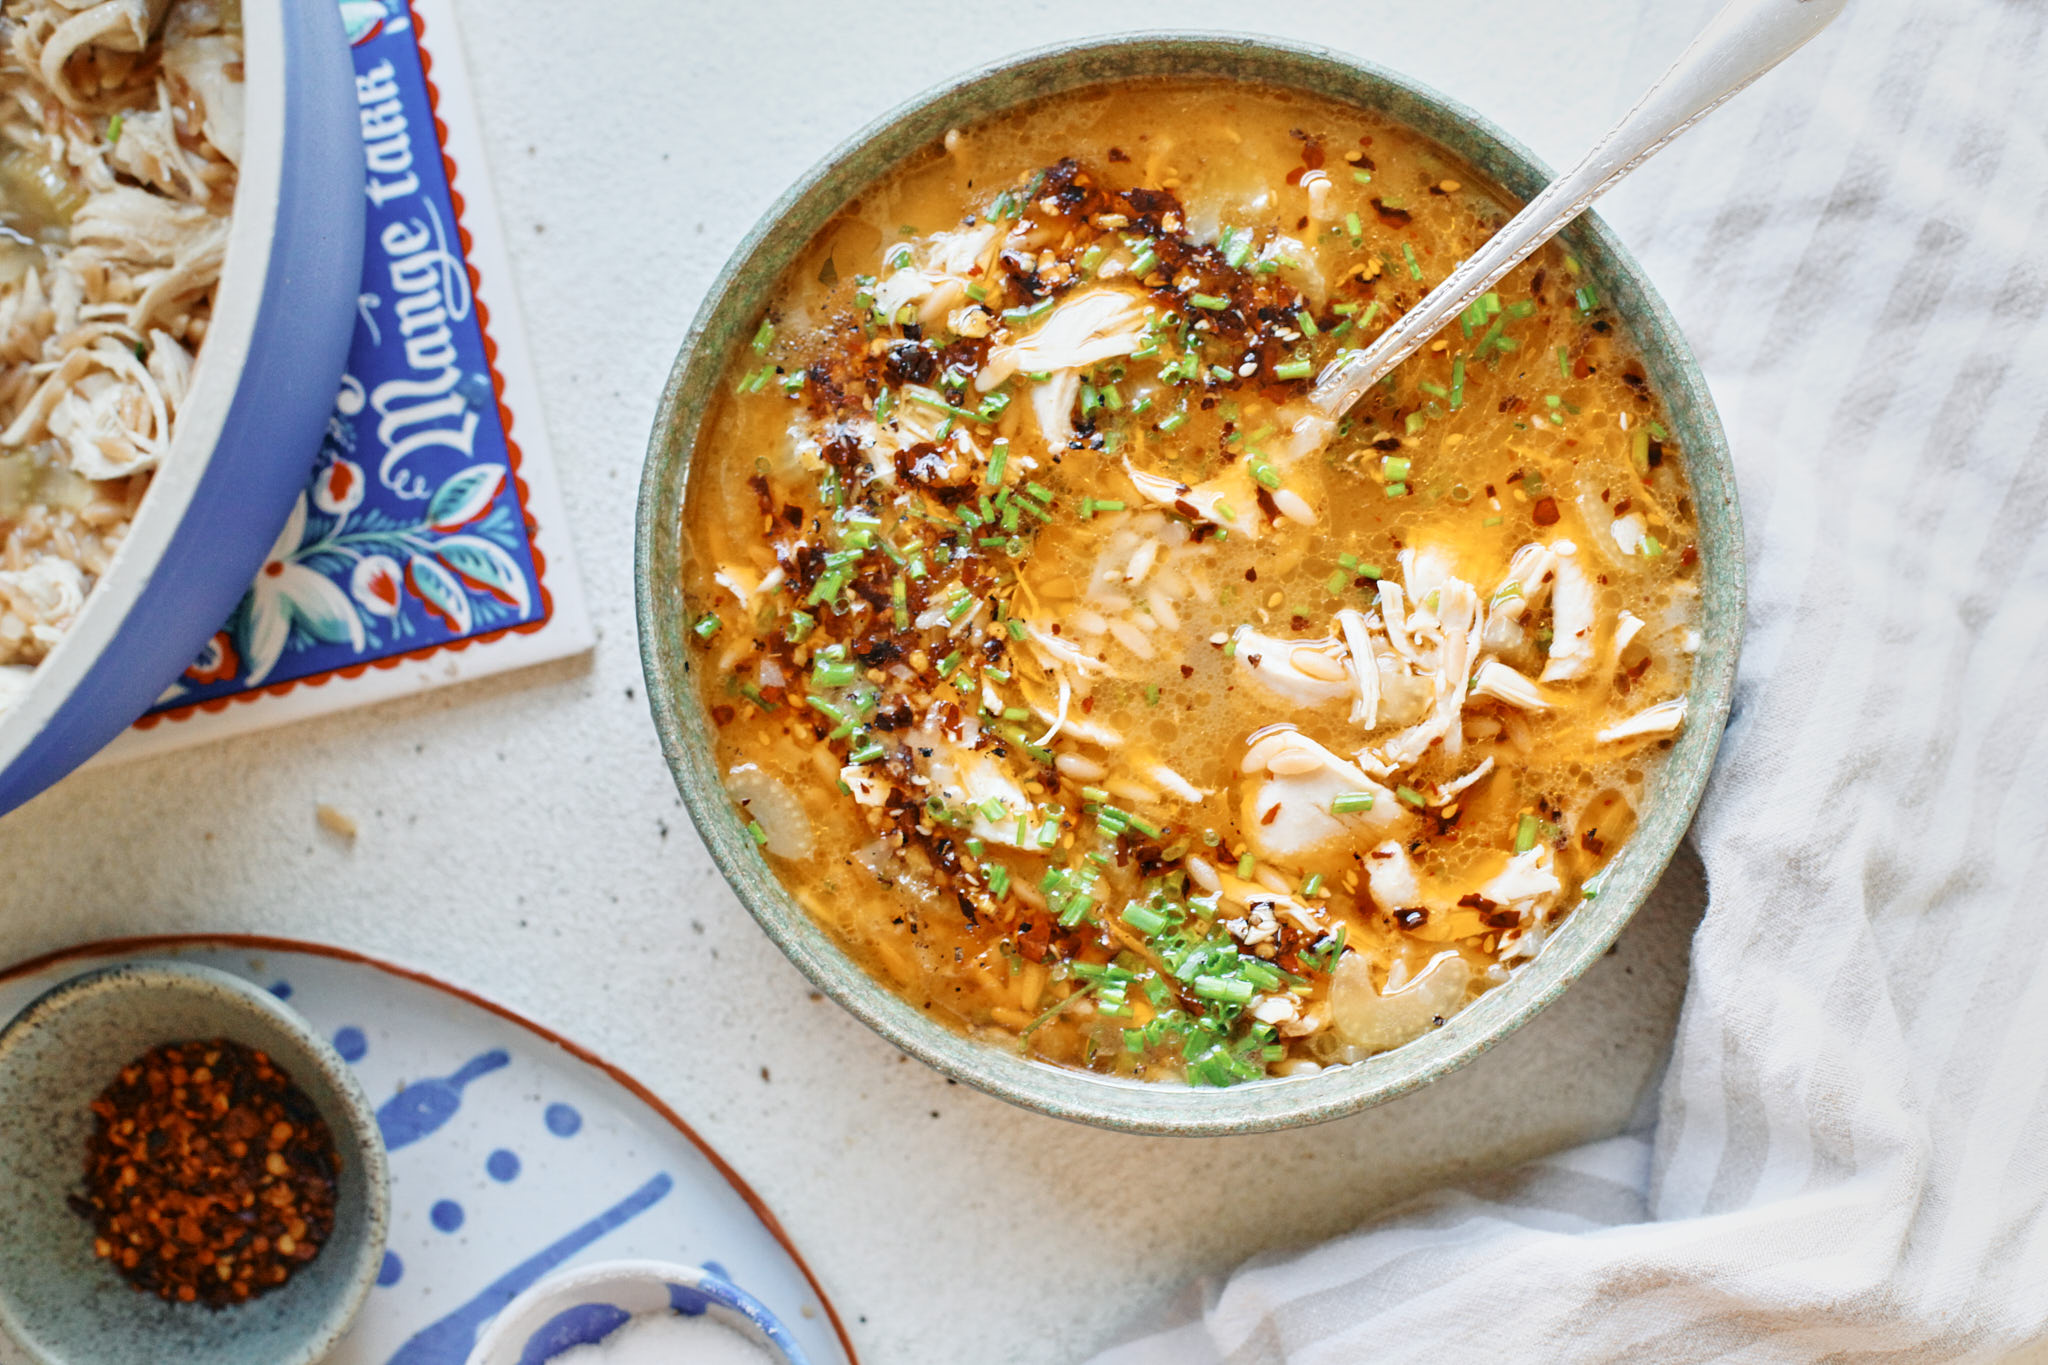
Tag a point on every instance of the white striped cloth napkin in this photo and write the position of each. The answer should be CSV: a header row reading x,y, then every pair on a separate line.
x,y
1850,1156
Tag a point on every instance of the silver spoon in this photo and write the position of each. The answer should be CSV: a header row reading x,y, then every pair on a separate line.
x,y
1743,41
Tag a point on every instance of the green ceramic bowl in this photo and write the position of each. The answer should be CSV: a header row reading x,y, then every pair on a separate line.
x,y
727,319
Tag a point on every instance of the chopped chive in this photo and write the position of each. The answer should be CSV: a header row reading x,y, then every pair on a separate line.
x,y
707,626
1144,919
867,752
764,336
1350,803
1433,390
1525,834
1246,864
1228,990
1027,313
927,399
1354,228
1214,303
1313,886
1265,474
1657,430
1372,571
1307,322
998,881
760,835
1361,175
1174,422
1395,467
1456,397
1410,796
1237,246
1293,369
1414,266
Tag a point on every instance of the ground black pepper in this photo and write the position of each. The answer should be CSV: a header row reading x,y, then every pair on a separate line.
x,y
210,1176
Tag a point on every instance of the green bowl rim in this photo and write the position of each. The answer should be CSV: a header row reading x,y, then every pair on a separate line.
x,y
1169,1108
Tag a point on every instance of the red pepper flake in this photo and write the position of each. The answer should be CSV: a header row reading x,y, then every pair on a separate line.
x,y
1545,512
209,1176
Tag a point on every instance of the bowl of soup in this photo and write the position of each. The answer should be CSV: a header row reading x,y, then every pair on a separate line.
x,y
1085,715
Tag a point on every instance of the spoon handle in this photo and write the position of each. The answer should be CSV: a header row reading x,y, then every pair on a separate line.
x,y
1743,41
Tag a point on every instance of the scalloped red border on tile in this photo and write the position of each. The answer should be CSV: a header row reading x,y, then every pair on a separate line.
x,y
513,453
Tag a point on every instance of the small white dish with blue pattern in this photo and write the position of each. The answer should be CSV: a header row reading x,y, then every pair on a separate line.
x,y
565,1316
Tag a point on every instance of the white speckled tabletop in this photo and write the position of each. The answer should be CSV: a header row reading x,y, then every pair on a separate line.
x,y
521,836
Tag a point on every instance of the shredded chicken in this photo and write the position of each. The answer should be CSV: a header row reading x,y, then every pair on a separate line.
x,y
1226,500
1086,328
1301,799
1309,672
1665,718
121,125
1572,622
1503,684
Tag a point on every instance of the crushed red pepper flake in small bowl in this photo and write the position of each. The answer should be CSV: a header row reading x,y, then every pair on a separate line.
x,y
210,1176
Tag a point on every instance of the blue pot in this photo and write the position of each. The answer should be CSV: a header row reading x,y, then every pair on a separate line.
x,y
250,428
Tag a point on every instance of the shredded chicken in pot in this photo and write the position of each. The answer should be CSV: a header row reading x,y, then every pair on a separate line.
x,y
120,133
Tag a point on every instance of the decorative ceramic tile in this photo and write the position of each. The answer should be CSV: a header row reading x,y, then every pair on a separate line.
x,y
511,1155
428,547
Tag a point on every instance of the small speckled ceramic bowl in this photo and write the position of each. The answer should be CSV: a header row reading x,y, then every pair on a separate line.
x,y
62,1304
585,1306
727,319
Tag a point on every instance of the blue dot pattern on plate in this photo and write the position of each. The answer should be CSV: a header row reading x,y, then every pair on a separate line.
x,y
447,1214
281,989
563,1120
502,1165
350,1043
584,1325
422,1107
392,1271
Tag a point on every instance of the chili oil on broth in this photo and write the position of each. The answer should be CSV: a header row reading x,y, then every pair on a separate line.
x,y
1021,425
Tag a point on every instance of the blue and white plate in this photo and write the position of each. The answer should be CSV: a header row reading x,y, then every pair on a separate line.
x,y
513,1152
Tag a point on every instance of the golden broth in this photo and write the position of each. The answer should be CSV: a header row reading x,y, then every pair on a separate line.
x,y
1097,702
